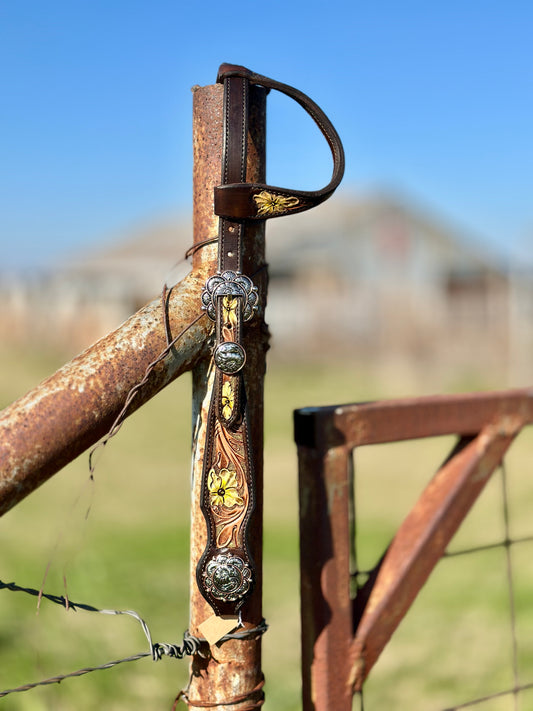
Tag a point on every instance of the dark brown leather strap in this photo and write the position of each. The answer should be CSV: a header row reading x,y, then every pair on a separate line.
x,y
225,572
256,201
233,166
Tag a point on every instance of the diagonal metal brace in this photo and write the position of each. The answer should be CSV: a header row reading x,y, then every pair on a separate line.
x,y
341,637
422,540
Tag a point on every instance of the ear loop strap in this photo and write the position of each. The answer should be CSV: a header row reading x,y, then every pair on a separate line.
x,y
225,572
257,201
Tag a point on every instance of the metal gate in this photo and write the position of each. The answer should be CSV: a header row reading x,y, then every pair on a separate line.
x,y
348,615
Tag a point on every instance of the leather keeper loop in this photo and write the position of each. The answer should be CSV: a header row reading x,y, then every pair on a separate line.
x,y
253,201
245,201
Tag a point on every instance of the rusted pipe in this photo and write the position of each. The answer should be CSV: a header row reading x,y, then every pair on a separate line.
x,y
71,410
324,493
67,413
231,678
422,539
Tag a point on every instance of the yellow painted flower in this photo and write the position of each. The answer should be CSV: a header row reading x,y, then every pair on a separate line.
x,y
223,489
270,204
229,308
228,400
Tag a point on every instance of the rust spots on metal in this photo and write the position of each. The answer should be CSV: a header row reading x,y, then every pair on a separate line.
x,y
231,678
396,420
75,407
422,540
71,410
325,578
207,161
343,638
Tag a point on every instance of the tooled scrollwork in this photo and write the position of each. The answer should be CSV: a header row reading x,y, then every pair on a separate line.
x,y
228,489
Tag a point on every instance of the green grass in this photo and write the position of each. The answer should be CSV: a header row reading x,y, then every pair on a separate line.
x,y
132,553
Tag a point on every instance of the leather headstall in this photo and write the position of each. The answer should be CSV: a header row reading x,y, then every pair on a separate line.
x,y
225,572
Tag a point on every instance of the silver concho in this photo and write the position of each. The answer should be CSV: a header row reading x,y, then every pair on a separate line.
x,y
230,283
227,577
229,357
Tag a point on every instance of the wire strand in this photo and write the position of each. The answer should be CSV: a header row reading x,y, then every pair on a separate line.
x,y
191,645
119,420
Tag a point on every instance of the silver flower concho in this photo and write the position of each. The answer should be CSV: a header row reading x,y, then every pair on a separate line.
x,y
230,283
227,577
230,356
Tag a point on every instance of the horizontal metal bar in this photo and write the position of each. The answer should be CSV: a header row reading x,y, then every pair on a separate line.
x,y
71,410
359,424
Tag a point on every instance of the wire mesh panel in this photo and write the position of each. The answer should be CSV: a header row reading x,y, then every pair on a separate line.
x,y
356,587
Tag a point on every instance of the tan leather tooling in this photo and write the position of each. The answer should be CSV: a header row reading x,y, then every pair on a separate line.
x,y
225,572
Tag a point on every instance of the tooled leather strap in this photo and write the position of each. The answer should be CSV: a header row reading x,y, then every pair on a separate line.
x,y
256,201
225,572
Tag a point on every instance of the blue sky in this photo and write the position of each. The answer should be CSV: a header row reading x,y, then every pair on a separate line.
x,y
432,100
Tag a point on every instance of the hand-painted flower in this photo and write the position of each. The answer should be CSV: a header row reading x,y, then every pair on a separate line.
x,y
228,400
223,489
271,204
229,307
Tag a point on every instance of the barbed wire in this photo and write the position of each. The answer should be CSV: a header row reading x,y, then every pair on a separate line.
x,y
80,672
190,645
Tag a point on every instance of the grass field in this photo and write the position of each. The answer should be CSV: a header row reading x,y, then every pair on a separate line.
x,y
132,553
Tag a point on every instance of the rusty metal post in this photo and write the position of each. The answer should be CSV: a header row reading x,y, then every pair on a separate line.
x,y
231,678
325,478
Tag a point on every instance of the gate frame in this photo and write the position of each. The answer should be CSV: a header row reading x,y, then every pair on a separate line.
x,y
342,636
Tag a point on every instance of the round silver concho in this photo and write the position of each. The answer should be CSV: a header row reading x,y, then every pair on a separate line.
x,y
227,577
229,357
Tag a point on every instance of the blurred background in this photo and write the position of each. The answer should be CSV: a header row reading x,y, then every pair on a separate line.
x,y
417,277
